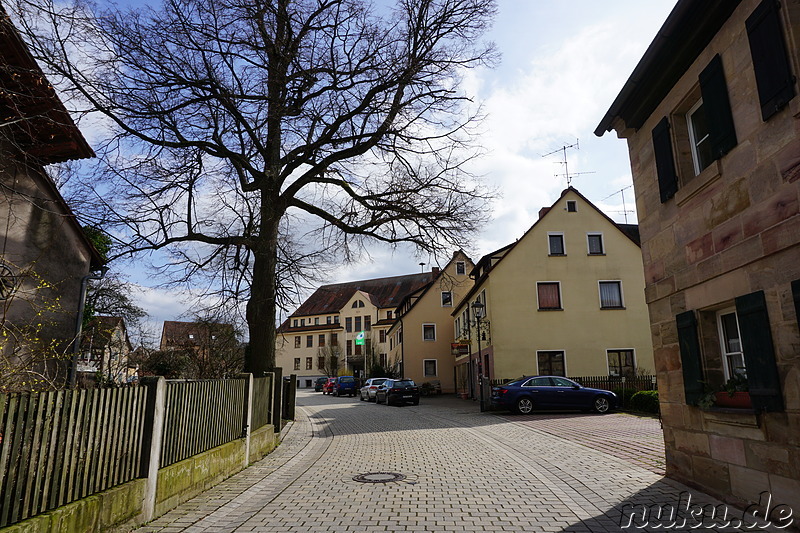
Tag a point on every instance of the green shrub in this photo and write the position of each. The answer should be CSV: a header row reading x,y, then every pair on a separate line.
x,y
644,401
628,393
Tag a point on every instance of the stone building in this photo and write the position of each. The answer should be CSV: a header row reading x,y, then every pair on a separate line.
x,y
712,122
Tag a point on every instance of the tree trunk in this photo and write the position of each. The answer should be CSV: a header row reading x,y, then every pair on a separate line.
x,y
260,358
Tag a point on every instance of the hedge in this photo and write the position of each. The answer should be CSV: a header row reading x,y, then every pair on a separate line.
x,y
644,401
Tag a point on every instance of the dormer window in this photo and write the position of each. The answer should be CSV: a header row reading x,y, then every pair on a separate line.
x,y
357,304
191,336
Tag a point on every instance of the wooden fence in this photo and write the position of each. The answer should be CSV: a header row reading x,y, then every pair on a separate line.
x,y
201,415
60,446
261,402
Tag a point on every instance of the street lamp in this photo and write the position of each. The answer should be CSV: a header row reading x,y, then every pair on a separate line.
x,y
478,309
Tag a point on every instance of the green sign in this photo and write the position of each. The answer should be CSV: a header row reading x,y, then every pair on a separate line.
x,y
360,339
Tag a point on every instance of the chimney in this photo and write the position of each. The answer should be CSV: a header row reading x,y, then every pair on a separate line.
x,y
435,270
543,211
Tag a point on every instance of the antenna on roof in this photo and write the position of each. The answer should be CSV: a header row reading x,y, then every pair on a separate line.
x,y
563,151
422,267
625,209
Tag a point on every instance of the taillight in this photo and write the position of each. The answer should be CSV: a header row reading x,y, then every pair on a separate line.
x,y
397,390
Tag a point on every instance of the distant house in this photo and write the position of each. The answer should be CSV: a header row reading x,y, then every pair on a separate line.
x,y
105,348
44,255
422,335
712,121
199,337
342,328
566,299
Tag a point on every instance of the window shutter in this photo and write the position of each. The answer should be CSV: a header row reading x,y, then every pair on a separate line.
x,y
665,164
689,343
796,295
759,354
718,108
771,64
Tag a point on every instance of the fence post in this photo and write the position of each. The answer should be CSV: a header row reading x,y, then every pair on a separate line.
x,y
248,415
155,409
277,399
291,394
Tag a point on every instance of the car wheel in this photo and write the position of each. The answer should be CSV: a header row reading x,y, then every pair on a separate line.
x,y
524,406
361,397
601,404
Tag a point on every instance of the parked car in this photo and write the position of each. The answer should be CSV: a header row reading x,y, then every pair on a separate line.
x,y
327,388
369,389
345,385
319,383
551,392
397,391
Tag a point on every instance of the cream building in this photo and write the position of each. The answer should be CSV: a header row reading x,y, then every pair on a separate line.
x,y
422,336
712,121
324,336
567,299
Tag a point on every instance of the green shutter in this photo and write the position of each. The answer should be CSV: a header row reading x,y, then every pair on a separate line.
x,y
759,354
691,364
717,108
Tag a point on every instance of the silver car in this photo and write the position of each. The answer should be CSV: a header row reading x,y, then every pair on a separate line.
x,y
368,390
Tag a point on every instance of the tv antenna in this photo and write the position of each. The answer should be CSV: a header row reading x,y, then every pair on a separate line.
x,y
563,151
625,209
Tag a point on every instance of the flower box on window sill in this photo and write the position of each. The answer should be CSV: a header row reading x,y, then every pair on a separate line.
x,y
736,400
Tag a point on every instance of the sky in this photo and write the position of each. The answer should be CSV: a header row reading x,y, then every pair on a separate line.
x,y
563,63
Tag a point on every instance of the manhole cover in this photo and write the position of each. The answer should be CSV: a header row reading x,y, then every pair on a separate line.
x,y
379,477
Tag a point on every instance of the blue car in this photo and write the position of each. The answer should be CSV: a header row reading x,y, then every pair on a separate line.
x,y
345,385
551,392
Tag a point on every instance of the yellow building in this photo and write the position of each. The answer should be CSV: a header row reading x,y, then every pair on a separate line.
x,y
422,335
567,299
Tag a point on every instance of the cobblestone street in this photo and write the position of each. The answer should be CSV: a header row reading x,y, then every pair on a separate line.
x,y
464,471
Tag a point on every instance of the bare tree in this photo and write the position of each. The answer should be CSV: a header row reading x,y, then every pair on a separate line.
x,y
253,139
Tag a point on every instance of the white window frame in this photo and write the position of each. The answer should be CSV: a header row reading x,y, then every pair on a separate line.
x,y
574,203
434,332
451,299
563,243
560,299
632,350
539,372
693,142
435,367
621,293
724,354
589,243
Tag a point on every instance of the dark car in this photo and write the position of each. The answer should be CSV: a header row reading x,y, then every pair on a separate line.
x,y
327,387
551,392
345,385
319,383
397,391
370,388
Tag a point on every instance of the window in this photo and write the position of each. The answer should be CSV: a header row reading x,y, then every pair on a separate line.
x,y
321,340
358,324
334,339
620,363
388,315
308,383
367,323
429,367
771,64
384,359
349,347
549,294
429,332
358,349
297,341
302,322
309,341
538,382
595,243
316,321
572,206
309,363
730,343
699,137
447,299
555,242
320,362
461,268
328,320
294,323
611,295
551,363
336,319
358,304
191,336
348,324
297,363
382,336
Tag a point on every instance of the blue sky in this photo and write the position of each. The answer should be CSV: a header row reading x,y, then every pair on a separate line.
x,y
564,61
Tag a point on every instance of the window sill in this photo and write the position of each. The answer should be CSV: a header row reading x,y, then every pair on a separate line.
x,y
708,176
556,255
553,309
596,255
621,308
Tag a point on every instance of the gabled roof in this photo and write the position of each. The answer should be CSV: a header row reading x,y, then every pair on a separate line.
x,y
176,334
100,330
629,230
418,295
686,33
383,292
30,110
